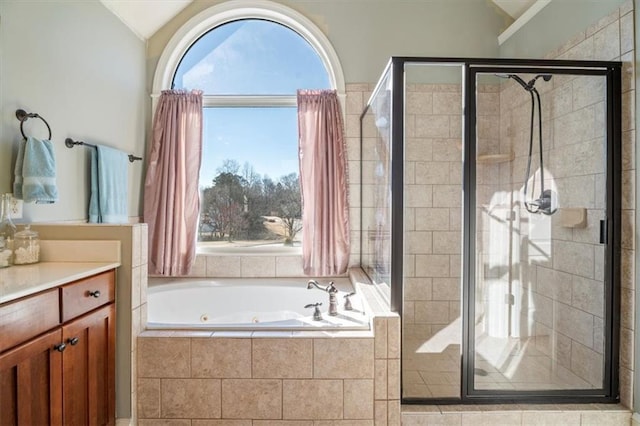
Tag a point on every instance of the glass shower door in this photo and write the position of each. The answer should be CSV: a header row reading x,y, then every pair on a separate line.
x,y
539,288
433,232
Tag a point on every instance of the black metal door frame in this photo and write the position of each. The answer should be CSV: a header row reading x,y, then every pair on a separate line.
x,y
470,68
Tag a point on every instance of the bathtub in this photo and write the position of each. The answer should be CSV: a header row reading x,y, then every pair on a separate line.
x,y
249,304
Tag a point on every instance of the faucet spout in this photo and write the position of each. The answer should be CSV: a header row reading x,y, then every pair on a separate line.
x,y
332,290
313,283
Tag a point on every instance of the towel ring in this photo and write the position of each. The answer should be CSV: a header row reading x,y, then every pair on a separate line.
x,y
23,116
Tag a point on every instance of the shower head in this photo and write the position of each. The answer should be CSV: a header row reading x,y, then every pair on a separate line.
x,y
545,77
529,87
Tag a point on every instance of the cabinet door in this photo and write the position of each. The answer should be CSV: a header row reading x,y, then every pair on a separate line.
x,y
31,382
89,369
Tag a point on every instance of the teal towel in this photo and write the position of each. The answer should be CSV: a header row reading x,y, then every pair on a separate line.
x,y
109,186
17,171
38,172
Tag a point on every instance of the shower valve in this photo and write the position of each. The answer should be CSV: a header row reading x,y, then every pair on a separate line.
x,y
543,205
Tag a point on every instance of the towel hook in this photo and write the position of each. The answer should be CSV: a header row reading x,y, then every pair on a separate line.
x,y
23,116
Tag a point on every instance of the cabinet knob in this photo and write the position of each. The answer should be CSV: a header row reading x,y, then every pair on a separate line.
x,y
60,347
95,293
73,341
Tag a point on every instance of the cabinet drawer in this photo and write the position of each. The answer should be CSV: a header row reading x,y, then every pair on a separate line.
x,y
87,294
26,318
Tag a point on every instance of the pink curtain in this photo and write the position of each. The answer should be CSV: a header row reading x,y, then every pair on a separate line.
x,y
323,183
171,196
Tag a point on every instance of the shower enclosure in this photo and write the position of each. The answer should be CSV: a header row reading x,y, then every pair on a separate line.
x,y
491,211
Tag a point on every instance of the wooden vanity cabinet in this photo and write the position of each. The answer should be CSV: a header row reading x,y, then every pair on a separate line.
x,y
31,382
65,376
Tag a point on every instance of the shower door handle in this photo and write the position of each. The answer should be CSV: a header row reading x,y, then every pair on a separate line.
x,y
603,232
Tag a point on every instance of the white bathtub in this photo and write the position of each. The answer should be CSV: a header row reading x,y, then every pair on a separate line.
x,y
249,304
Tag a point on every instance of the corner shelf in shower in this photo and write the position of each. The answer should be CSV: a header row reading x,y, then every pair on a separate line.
x,y
494,158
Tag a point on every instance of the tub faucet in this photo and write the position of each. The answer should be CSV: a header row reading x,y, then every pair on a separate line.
x,y
313,283
332,290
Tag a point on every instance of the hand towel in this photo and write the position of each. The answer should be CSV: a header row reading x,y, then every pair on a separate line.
x,y
39,172
17,171
108,202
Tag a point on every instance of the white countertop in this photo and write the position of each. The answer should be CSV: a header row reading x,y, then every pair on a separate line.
x,y
22,280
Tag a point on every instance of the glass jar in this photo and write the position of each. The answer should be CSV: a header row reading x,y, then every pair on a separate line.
x,y
26,247
7,232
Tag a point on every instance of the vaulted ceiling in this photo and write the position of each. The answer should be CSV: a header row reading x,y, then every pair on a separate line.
x,y
145,17
148,16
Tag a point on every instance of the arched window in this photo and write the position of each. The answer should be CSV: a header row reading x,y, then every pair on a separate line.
x,y
249,58
252,57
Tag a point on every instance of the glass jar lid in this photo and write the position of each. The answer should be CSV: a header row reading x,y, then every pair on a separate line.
x,y
27,233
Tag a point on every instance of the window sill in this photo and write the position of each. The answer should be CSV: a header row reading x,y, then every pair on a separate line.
x,y
258,250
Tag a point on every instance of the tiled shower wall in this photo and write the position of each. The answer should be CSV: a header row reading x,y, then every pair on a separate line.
x,y
566,288
433,230
433,200
611,38
558,270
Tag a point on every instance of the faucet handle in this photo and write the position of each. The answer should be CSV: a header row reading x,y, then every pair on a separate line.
x,y
331,288
347,301
317,316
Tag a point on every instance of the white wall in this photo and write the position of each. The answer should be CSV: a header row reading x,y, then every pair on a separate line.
x,y
83,70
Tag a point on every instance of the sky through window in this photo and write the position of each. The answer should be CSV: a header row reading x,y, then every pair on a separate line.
x,y
251,57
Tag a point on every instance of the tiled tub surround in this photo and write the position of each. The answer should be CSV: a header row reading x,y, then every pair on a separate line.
x,y
272,378
251,265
